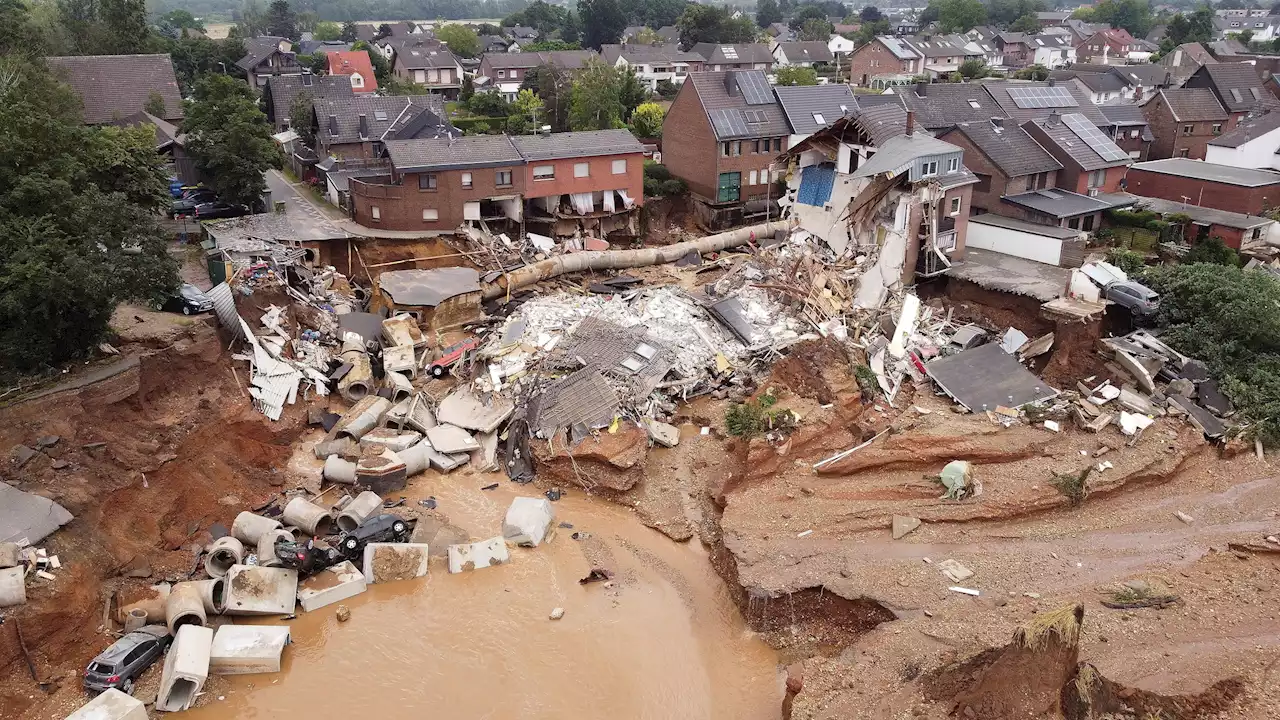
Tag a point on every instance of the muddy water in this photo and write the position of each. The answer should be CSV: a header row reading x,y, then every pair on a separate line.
x,y
664,642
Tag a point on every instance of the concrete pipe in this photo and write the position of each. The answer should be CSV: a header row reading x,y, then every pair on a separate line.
x,y
337,470
249,528
136,618
213,593
313,519
358,383
362,417
184,607
417,458
225,552
152,606
267,547
398,384
361,509
299,535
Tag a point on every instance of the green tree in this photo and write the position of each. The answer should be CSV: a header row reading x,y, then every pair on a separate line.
x,y
489,103
960,15
1212,250
462,40
468,88
816,29
281,20
974,69
19,35
1132,15
350,31
124,23
1006,12
602,20
646,36
1026,24
930,14
806,13
1196,27
1032,72
381,68
555,87
596,100
707,23
871,30
550,46
527,113
327,31
230,139
183,20
631,91
302,118
797,75
646,121
317,63
667,90
870,14
768,13
155,104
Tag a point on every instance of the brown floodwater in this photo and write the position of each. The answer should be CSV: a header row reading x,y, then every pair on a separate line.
x,y
665,641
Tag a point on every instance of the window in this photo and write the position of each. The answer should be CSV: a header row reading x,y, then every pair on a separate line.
x,y
777,144
929,168
724,149
735,148
1257,233
581,170
1097,178
1087,225
619,167
466,180
375,213
1133,134
1184,152
427,181
1188,129
502,74
1217,128
544,172
953,165
429,214
955,206
818,118
751,179
502,178
755,147
974,104
1074,223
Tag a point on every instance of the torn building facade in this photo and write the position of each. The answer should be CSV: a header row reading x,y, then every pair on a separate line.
x,y
438,298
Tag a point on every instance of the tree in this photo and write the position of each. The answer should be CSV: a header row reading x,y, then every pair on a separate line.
x,y
555,87
796,75
961,15
1212,250
526,113
768,13
929,14
1194,28
667,90
808,12
816,29
280,20
488,29
974,69
125,27
489,103
602,20
870,14
1132,15
468,88
350,31
327,31
647,36
317,63
549,46
1006,12
182,19
1026,24
707,23
596,100
302,118
381,68
230,139
871,30
18,33
646,121
1038,73
631,91
462,40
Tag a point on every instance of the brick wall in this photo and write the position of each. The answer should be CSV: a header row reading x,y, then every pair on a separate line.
x,y
400,207
965,195
985,195
350,151
1130,144
747,161
874,59
1172,139
600,177
1234,198
689,147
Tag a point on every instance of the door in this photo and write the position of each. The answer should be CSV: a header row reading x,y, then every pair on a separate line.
x,y
729,188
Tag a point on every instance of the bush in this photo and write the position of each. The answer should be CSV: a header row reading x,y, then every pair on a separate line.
x,y
1133,218
753,417
489,103
667,89
1212,251
1127,260
659,182
474,125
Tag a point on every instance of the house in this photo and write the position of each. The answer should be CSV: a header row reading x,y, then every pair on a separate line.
x,y
589,183
1004,159
1143,79
170,143
359,126
366,32
1184,60
1128,128
653,63
1092,164
744,56
1066,209
1109,46
1022,100
357,67
1051,50
942,54
506,71
669,34
497,44
1050,19
1079,30
630,33
1183,120
720,136
841,45
268,56
780,32
1101,86
810,108
1236,86
906,26
403,28
114,87
1264,28
1254,143
938,106
1196,182
885,62
803,54
281,90
313,47
1234,229
432,66
1015,48
521,33
437,298
992,53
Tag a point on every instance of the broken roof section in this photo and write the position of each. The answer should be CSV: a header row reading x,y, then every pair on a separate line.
x,y
428,288
583,398
24,516
987,377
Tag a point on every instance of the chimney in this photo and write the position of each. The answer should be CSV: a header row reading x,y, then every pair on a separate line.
x,y
997,123
1054,118
1137,93
911,123
1051,82
731,83
333,125
922,88
364,125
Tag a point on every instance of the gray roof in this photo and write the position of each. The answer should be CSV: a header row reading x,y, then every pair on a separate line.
x,y
716,101
799,103
1123,114
1192,104
807,51
898,47
1237,85
999,91
415,56
589,143
444,154
522,32
881,122
282,89
1060,203
1052,16
1077,147
1010,148
1250,129
1210,172
567,59
311,47
341,179
635,54
428,288
1095,81
936,46
113,87
258,49
899,151
1053,231
945,104
669,33
750,53
1200,214
383,115
1148,74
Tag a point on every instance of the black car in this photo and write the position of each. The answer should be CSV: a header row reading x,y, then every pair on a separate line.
x,y
127,658
377,529
218,210
186,205
189,300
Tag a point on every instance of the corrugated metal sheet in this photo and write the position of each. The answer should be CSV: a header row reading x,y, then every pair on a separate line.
x,y
224,306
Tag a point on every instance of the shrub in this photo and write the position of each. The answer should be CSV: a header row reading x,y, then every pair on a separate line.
x,y
1127,260
1212,251
659,182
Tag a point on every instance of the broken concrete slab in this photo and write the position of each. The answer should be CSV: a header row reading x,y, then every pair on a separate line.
x,y
331,585
528,521
474,556
1201,418
985,377
112,704
27,516
254,590
1137,369
13,587
486,458
382,473
450,439
471,411
21,455
954,570
186,668
904,525
247,649
10,555
388,562
1133,423
394,440
1212,398
1136,403
401,360
662,433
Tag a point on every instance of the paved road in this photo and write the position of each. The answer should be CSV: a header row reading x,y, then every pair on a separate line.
x,y
309,219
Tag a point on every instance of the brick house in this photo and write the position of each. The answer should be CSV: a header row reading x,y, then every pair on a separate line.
x,y
1195,182
356,127
506,71
1238,88
884,62
593,178
356,66
1092,163
433,67
653,63
1006,161
1183,120
1016,48
720,136
268,56
938,106
1128,128
1107,47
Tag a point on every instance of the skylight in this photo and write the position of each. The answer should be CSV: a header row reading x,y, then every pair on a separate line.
x,y
974,104
817,117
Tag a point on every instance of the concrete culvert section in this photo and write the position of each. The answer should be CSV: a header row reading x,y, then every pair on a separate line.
x,y
184,606
267,548
186,668
360,509
249,528
225,552
309,517
213,593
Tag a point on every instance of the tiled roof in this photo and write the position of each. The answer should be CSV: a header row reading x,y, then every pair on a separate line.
x,y
590,143
463,152
801,103
945,104
999,90
1238,85
639,54
382,115
352,62
258,49
1148,74
939,46
1076,147
724,53
1010,148
1193,104
669,33
116,86
714,95
418,57
311,47
881,122
566,59
1250,129
282,89
1123,114
808,51
1094,81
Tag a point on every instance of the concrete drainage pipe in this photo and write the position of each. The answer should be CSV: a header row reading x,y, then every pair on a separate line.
x,y
267,547
136,618
358,382
225,552
184,606
213,594
398,384
361,509
249,528
417,458
337,470
311,518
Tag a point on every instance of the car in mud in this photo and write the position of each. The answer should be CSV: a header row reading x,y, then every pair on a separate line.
x,y
188,300
377,529
127,658
451,356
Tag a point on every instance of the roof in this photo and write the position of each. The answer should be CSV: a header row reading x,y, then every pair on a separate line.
x,y
282,89
1250,129
116,86
1010,148
589,143
636,54
896,154
945,104
1055,16
807,51
936,46
258,49
1210,172
1201,214
341,179
727,112
311,47
800,103
1116,35
1148,74
1059,203
1238,85
1192,104
522,32
462,152
417,56
428,288
728,53
382,115
1082,142
669,33
881,122
567,59
1094,81
898,47
351,62
1123,114
1053,231
1194,52
999,90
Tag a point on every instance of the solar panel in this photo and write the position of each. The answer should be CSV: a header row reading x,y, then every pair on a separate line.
x,y
1042,97
1094,138
755,88
729,123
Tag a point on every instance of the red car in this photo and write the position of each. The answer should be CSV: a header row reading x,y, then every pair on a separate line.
x,y
451,356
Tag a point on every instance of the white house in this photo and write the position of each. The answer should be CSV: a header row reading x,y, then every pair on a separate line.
x,y
1251,144
653,63
841,45
1052,50
802,54
1264,29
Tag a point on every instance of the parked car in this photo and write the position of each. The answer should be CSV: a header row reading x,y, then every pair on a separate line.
x,y
377,529
451,356
307,560
189,300
127,658
186,205
218,209
1138,298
